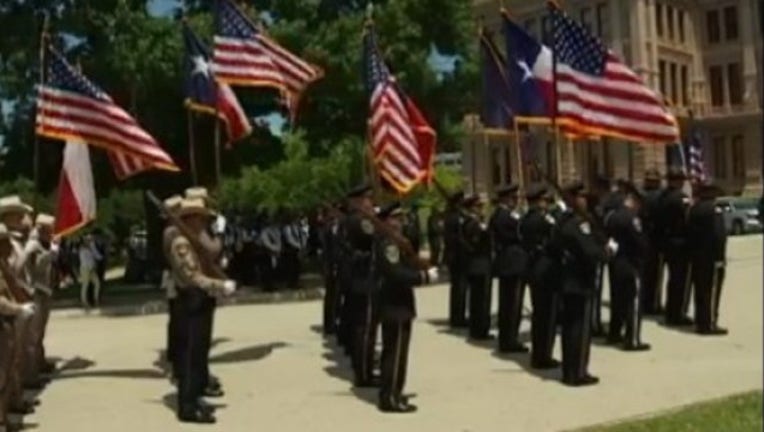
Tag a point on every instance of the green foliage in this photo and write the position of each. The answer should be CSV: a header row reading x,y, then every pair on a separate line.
x,y
24,188
430,197
297,183
119,212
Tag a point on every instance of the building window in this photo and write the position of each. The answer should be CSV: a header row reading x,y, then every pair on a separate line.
x,y
670,22
734,81
680,24
720,158
659,19
662,77
674,84
738,157
586,19
730,23
684,87
603,23
717,85
712,26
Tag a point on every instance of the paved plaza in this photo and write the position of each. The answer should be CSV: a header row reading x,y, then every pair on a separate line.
x,y
280,375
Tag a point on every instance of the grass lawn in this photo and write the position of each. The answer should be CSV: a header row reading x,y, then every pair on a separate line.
x,y
741,413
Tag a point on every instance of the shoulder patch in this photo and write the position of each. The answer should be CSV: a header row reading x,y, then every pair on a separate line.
x,y
637,224
585,228
367,226
392,254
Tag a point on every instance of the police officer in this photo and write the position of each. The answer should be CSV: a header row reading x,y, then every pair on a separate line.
x,y
652,286
542,274
509,266
707,239
435,235
329,235
362,300
454,255
397,311
413,228
625,229
195,286
175,325
11,314
581,253
672,228
477,243
606,197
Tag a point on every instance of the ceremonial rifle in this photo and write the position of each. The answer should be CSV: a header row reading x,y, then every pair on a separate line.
x,y
201,252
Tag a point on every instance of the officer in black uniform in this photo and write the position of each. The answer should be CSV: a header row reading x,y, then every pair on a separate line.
x,y
435,235
652,287
672,228
363,290
328,234
477,244
454,257
509,266
625,229
708,250
344,322
413,228
606,198
542,274
581,253
397,311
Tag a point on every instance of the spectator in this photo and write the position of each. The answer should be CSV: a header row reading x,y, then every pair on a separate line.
x,y
89,257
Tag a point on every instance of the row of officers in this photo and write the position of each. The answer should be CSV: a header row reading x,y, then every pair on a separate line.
x,y
27,280
558,248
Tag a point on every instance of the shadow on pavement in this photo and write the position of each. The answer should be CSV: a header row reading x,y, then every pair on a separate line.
x,y
252,353
342,370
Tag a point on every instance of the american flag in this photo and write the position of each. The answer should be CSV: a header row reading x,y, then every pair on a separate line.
x,y
245,56
696,166
402,141
599,95
71,108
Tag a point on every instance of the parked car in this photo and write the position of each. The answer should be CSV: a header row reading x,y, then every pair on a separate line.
x,y
741,215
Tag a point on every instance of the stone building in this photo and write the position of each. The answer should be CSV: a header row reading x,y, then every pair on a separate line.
x,y
703,56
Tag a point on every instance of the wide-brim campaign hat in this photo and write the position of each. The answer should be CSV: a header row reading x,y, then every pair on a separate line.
x,y
12,204
197,193
193,207
173,202
43,219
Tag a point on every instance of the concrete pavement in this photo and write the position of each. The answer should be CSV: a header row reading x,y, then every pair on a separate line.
x,y
280,375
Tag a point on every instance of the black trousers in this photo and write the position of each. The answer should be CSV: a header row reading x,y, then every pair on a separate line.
x,y
708,278
289,267
679,287
576,335
193,355
457,298
208,317
435,249
396,337
625,303
511,296
652,281
365,326
331,303
480,305
175,334
596,315
344,324
545,302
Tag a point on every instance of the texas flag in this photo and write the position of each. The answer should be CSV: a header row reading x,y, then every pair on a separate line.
x,y
76,195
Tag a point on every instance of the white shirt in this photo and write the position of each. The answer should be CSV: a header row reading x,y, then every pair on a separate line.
x,y
88,257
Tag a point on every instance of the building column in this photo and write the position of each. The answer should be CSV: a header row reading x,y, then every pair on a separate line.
x,y
750,66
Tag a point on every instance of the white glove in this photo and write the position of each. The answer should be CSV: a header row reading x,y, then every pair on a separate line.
x,y
561,205
612,246
54,247
224,262
229,287
432,274
27,310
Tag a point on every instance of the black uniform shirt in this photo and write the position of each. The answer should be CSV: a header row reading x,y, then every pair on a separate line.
x,y
625,227
707,236
477,244
672,218
397,281
581,251
359,247
509,257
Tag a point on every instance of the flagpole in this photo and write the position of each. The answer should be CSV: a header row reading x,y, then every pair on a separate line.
x,y
36,142
520,174
555,109
192,147
218,169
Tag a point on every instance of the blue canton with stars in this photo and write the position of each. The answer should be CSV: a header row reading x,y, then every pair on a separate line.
x,y
62,76
376,70
575,46
199,86
231,23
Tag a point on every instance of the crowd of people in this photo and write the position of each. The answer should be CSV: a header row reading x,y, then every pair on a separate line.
x,y
558,248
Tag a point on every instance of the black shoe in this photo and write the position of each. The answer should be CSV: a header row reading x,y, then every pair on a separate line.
x,y
24,408
396,407
405,407
546,364
681,322
514,348
717,331
213,392
214,383
637,347
613,340
196,415
48,367
35,385
581,382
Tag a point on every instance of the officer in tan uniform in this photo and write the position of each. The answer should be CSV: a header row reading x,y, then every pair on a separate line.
x,y
16,216
213,245
40,253
195,286
10,313
174,326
